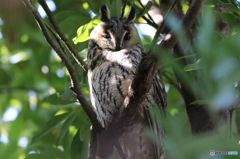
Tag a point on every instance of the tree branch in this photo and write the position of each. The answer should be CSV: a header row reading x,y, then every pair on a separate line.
x,y
72,72
199,118
187,22
123,8
198,115
150,22
160,28
149,16
76,56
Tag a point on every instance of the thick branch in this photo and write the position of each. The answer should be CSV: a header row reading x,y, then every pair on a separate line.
x,y
187,22
136,95
72,72
199,117
76,56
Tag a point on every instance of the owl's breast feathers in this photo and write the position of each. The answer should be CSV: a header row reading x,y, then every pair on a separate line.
x,y
110,75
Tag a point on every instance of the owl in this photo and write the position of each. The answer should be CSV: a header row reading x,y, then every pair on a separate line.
x,y
114,54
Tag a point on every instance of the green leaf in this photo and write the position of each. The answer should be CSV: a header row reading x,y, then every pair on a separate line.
x,y
231,5
5,78
39,156
95,5
66,143
51,151
115,9
85,132
49,126
56,99
200,102
192,67
15,129
8,149
231,18
205,32
66,125
83,54
68,94
83,33
146,9
69,29
76,147
20,80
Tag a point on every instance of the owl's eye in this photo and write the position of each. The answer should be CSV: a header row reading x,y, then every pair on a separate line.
x,y
106,36
127,37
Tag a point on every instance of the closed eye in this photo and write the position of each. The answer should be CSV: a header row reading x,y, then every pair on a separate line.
x,y
106,36
127,37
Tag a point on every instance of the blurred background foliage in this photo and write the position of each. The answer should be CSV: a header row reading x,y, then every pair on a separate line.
x,y
40,117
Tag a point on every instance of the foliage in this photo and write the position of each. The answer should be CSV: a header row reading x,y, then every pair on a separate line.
x,y
34,83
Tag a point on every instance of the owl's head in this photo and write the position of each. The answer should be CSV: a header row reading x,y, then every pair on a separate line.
x,y
115,33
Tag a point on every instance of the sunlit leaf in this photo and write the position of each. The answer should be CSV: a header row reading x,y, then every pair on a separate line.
x,y
185,8
84,31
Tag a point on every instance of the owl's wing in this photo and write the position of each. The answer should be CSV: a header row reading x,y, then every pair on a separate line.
x,y
152,113
159,93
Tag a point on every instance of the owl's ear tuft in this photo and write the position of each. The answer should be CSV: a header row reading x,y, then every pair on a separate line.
x,y
131,15
105,13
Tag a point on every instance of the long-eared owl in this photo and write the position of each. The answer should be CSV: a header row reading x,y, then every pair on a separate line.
x,y
114,53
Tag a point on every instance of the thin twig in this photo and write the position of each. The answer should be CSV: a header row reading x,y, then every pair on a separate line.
x,y
123,8
72,72
187,21
73,52
169,80
160,28
56,37
149,16
178,59
150,22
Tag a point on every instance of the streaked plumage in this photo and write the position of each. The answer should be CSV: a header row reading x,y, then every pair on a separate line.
x,y
114,53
